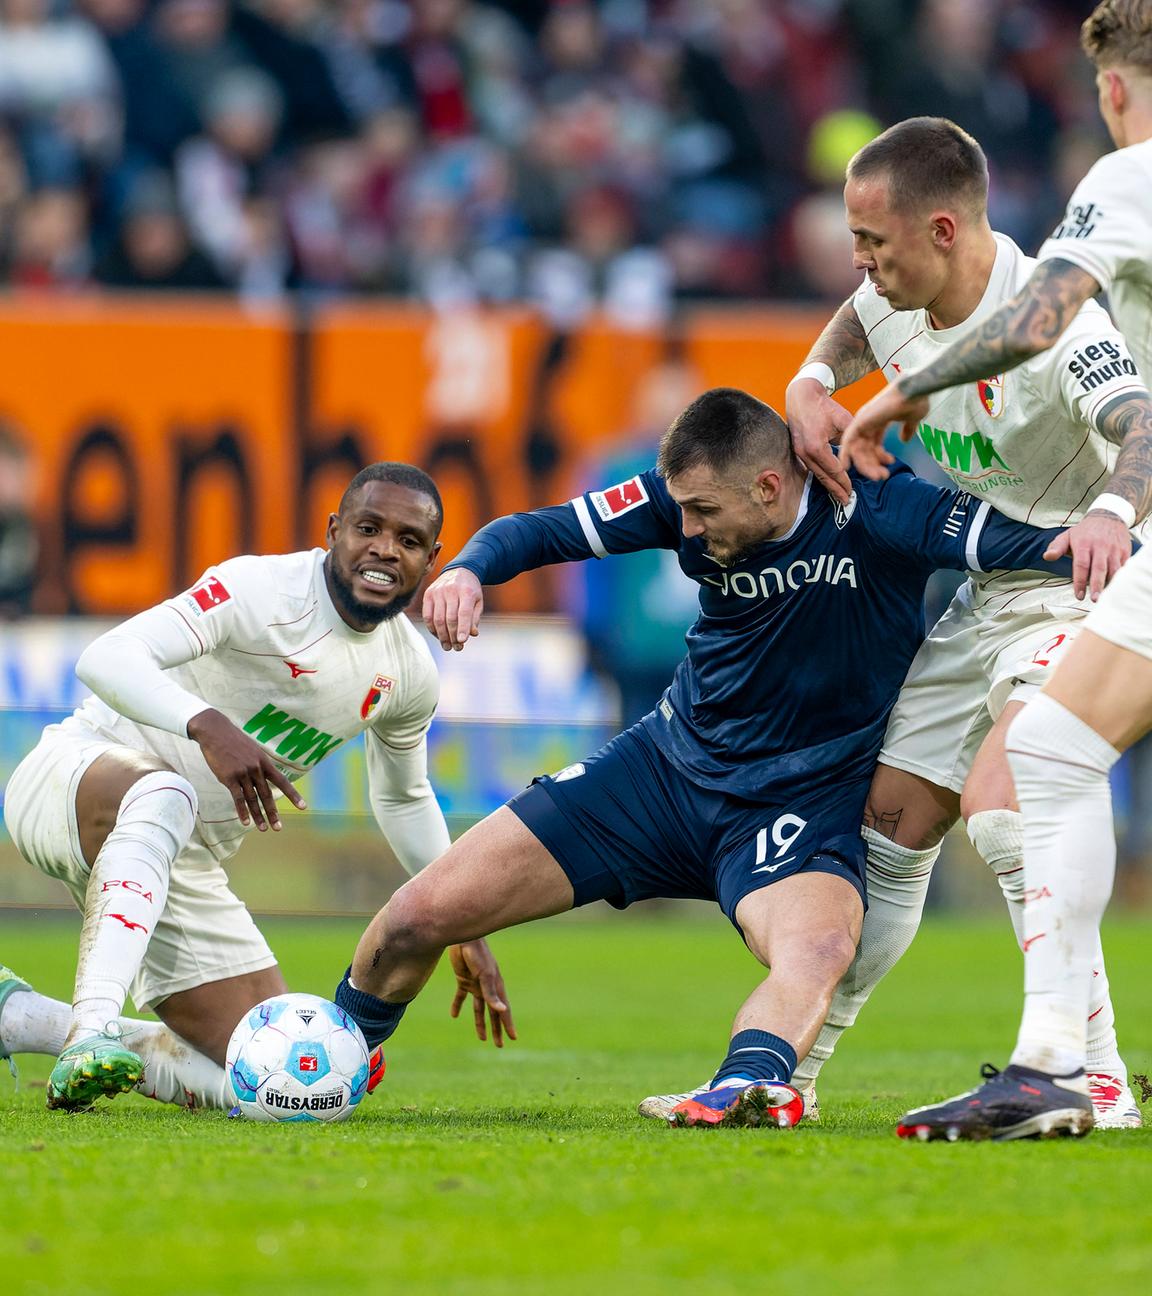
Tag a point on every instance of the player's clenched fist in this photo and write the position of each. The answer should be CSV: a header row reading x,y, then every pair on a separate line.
x,y
453,604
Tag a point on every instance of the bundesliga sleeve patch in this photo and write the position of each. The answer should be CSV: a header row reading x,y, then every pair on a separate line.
x,y
207,595
618,500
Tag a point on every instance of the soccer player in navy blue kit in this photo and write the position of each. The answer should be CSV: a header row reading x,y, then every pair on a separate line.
x,y
747,782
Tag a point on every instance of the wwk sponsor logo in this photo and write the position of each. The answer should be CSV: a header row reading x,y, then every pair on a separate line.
x,y
295,739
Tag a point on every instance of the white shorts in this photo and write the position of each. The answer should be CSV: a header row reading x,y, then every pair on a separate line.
x,y
205,933
1124,614
964,674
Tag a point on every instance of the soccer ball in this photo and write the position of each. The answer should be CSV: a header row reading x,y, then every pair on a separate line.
x,y
297,1057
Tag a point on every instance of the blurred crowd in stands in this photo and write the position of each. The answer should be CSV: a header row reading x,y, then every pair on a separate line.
x,y
628,154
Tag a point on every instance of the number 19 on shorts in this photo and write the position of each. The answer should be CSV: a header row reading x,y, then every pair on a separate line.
x,y
782,834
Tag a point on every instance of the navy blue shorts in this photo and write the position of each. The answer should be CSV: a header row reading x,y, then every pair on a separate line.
x,y
625,824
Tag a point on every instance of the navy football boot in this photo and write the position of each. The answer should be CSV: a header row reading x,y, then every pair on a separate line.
x,y
1011,1104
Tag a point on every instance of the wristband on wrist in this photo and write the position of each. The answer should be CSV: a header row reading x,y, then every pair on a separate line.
x,y
821,372
1115,504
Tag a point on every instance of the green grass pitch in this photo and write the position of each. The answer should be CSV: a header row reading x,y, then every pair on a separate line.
x,y
478,1172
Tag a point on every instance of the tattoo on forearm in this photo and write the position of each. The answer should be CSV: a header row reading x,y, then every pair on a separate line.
x,y
843,346
1127,421
1021,328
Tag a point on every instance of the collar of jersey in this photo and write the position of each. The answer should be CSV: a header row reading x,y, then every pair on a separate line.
x,y
801,514
992,296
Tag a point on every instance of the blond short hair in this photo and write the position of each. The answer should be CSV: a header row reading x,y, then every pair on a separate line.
x,y
1119,32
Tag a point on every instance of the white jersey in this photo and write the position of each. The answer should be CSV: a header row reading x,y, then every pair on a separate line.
x,y
1107,231
1025,441
259,639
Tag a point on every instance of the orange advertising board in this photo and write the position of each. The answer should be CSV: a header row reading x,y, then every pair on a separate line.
x,y
169,435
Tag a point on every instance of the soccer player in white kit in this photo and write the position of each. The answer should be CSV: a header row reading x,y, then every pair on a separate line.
x,y
1039,444
1099,701
207,708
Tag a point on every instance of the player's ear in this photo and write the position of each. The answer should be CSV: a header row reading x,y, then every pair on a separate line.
x,y
1117,89
333,528
433,555
943,230
768,485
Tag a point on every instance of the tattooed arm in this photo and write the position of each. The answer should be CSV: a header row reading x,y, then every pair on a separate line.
x,y
1030,323
814,418
843,347
1127,422
1100,543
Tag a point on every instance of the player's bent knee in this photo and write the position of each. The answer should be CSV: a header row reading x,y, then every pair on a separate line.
x,y
154,823
833,953
416,924
820,959
166,802
998,836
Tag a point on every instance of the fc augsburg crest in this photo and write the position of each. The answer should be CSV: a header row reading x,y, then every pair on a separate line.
x,y
992,395
381,687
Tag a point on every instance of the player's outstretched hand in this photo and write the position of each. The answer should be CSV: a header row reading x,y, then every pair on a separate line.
x,y
244,767
452,607
478,975
862,445
815,420
1100,544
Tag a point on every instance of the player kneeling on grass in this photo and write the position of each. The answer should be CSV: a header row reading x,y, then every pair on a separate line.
x,y
206,709
747,783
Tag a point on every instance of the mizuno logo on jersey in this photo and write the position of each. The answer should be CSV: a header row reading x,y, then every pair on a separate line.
x,y
1099,363
618,500
298,742
774,580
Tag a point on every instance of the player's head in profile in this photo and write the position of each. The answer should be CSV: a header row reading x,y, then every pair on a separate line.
x,y
1117,37
728,462
382,542
916,200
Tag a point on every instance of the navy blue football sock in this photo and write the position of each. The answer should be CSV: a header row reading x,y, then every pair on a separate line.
x,y
376,1017
758,1055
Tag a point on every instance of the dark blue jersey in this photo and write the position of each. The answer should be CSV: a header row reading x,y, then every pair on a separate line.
x,y
801,647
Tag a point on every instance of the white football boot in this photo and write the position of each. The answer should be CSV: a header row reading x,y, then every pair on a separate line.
x,y
1113,1102
659,1106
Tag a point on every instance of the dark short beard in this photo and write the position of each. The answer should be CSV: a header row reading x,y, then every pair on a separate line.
x,y
346,601
734,557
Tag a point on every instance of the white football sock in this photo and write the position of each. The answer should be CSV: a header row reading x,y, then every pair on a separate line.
x,y
897,885
126,894
1103,1052
1061,768
998,836
175,1072
32,1023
